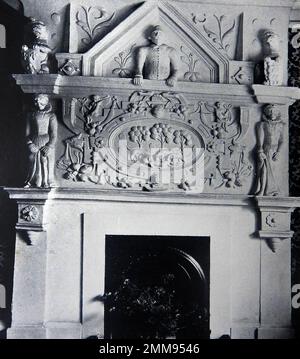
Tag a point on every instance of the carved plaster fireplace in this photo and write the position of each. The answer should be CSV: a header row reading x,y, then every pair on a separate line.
x,y
141,139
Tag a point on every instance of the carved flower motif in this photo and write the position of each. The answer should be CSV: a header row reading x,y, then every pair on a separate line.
x,y
69,69
29,213
271,220
122,60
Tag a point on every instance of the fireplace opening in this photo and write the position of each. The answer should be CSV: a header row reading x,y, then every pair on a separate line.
x,y
156,287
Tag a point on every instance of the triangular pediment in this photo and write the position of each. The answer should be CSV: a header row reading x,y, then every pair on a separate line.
x,y
114,55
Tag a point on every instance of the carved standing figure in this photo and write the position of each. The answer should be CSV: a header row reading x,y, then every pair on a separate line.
x,y
156,61
41,139
35,50
273,67
269,142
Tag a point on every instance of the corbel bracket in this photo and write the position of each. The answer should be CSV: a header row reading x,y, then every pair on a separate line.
x,y
275,219
31,211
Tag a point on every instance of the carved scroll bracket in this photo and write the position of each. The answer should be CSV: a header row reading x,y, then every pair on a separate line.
x,y
274,94
275,219
31,204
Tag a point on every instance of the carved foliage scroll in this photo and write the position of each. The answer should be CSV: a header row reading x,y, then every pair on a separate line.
x,y
128,143
91,20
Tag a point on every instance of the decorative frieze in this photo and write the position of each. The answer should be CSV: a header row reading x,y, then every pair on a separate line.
x,y
151,120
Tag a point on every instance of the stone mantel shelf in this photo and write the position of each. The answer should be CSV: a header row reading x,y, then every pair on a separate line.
x,y
81,86
92,195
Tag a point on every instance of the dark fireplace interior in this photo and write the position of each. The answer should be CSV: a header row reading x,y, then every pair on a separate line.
x,y
157,287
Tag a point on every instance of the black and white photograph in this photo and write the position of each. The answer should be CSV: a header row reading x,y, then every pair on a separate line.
x,y
149,173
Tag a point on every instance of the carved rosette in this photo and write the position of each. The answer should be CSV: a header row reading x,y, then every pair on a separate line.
x,y
29,213
31,216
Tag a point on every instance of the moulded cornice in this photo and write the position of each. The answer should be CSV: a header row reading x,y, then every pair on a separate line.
x,y
40,195
276,94
80,86
278,202
22,195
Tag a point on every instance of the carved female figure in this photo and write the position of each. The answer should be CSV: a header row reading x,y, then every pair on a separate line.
x,y
41,138
157,61
269,142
